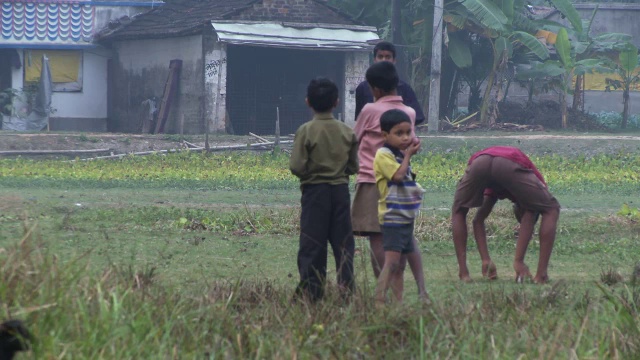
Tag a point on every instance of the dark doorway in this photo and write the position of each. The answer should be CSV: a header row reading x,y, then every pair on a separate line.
x,y
259,80
8,60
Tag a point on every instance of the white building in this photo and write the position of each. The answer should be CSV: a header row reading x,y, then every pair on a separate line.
x,y
64,31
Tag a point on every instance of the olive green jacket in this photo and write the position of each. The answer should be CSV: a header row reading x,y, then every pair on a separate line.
x,y
325,151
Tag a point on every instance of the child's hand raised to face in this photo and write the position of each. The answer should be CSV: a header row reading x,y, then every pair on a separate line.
x,y
413,148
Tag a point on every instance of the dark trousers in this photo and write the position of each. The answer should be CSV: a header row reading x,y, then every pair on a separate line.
x,y
325,218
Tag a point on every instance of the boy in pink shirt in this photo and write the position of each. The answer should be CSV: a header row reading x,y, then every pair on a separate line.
x,y
383,80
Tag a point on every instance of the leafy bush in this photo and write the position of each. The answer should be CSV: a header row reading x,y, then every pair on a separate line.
x,y
612,120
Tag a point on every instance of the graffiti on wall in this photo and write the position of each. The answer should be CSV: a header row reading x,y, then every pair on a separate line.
x,y
213,66
354,73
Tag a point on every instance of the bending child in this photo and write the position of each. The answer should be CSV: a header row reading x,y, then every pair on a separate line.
x,y
504,172
325,153
400,199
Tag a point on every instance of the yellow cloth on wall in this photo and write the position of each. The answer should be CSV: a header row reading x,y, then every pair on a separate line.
x,y
598,81
64,65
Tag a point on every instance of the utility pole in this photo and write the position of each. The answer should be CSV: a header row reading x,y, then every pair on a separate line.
x,y
397,39
436,62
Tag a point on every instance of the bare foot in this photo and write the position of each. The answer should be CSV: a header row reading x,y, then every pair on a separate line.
x,y
465,278
424,299
541,279
522,272
489,271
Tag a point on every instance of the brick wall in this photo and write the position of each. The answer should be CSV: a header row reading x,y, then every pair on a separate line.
x,y
304,11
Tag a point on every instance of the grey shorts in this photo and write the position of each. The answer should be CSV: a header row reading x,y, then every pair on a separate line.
x,y
398,238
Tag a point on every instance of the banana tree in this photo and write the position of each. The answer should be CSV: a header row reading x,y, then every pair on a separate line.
x,y
584,45
473,55
571,66
626,66
509,31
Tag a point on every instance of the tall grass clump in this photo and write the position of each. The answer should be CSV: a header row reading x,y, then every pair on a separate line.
x,y
125,312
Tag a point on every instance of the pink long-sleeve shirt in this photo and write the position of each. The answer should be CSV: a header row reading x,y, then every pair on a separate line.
x,y
369,135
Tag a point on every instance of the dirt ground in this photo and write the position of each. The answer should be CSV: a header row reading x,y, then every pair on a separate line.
x,y
547,113
112,143
14,144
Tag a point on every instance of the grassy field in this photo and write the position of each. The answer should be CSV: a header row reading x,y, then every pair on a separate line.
x,y
193,257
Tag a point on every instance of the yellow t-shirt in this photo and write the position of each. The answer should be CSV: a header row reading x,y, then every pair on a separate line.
x,y
399,201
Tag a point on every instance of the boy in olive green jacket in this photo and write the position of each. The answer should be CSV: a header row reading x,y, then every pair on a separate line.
x,y
325,153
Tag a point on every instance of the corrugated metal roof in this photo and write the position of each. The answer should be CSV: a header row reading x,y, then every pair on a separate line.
x,y
292,35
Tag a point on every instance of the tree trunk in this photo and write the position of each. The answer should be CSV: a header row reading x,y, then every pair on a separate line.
x,y
397,39
625,111
577,93
530,90
489,109
486,99
563,99
563,107
474,99
436,66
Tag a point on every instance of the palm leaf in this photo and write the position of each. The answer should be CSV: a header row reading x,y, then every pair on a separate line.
x,y
459,51
567,9
563,48
531,43
507,8
579,47
523,23
456,20
587,66
503,46
540,70
629,59
593,15
613,37
487,13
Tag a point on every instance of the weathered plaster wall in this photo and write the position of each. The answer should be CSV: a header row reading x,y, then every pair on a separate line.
x,y
215,83
140,69
356,65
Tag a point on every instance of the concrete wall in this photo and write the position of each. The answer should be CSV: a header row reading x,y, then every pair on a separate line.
x,y
356,65
139,71
610,18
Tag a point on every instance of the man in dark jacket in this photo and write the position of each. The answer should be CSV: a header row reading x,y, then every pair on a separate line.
x,y
386,51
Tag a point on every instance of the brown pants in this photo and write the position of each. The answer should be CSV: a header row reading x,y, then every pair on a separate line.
x,y
487,171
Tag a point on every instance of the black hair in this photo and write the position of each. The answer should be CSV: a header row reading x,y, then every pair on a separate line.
x,y
383,75
384,46
391,118
14,337
322,94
